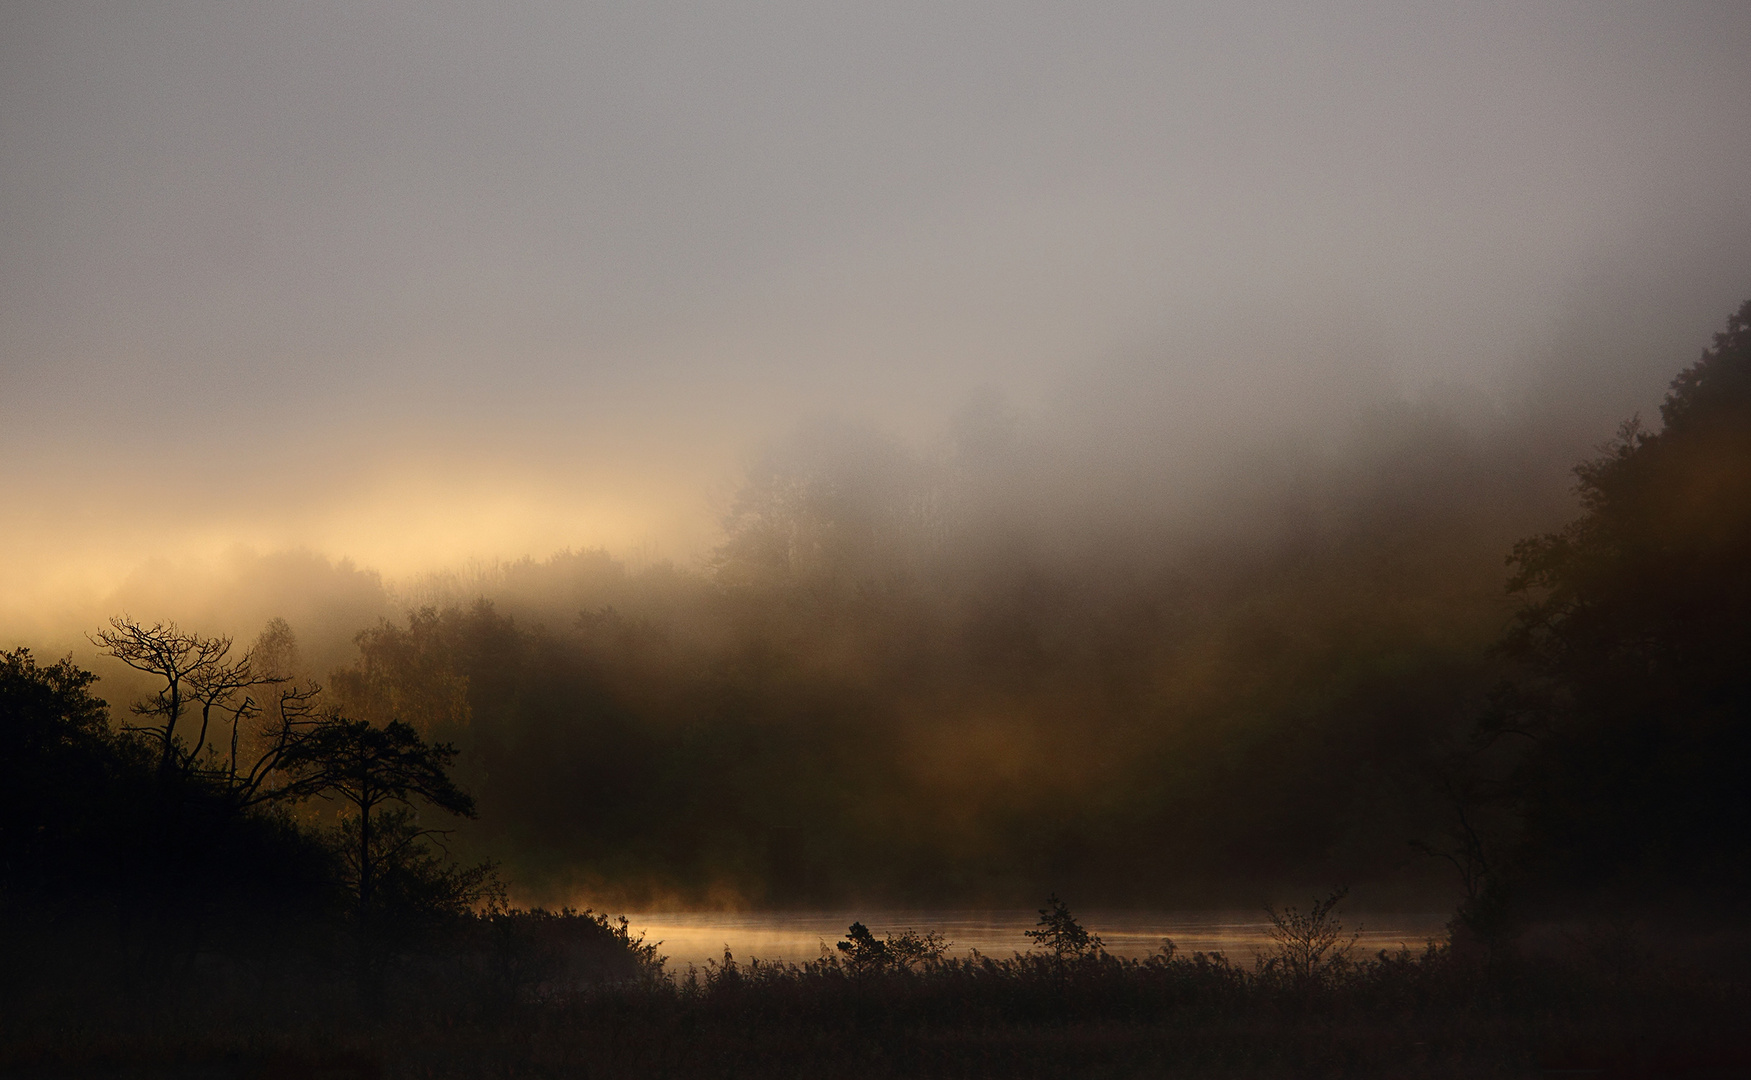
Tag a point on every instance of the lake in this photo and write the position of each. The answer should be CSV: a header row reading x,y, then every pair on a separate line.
x,y
695,937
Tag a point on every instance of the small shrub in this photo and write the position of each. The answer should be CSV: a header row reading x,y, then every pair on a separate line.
x,y
907,950
1310,946
1060,933
538,954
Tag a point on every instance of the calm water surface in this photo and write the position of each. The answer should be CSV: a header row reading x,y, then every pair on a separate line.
x,y
695,937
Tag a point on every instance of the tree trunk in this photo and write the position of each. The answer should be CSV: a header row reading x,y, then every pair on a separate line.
x,y
364,860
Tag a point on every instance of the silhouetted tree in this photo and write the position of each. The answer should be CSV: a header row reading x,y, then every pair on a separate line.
x,y
1310,947
863,952
59,774
198,675
257,774
1483,919
1059,932
1634,634
47,709
372,769
201,679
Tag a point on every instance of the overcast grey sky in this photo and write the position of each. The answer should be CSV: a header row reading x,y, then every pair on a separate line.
x,y
414,281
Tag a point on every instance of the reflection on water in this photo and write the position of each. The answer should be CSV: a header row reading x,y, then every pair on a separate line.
x,y
695,937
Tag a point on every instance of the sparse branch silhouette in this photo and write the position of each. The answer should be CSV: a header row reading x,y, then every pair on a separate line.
x,y
297,715
193,670
1311,947
200,676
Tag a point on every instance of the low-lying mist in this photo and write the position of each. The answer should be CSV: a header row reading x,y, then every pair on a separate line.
x,y
964,668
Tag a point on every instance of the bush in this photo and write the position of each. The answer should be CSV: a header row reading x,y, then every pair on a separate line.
x,y
1310,947
907,950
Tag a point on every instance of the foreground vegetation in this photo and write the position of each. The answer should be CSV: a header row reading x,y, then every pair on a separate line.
x,y
515,995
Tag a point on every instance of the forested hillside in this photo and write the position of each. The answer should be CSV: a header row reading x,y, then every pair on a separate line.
x,y
894,681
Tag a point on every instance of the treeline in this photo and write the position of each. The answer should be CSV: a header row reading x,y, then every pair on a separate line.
x,y
894,682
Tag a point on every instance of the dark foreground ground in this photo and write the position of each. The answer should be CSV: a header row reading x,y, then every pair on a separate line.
x,y
1600,1006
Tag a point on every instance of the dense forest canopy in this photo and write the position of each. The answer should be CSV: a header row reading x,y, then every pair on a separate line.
x,y
1632,716
899,679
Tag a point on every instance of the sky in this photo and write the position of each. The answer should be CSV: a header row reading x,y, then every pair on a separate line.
x,y
420,283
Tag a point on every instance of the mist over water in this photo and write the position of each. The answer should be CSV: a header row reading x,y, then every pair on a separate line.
x,y
693,938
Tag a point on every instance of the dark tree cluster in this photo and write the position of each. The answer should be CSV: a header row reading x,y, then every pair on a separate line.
x,y
195,834
1629,728
69,786
882,688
